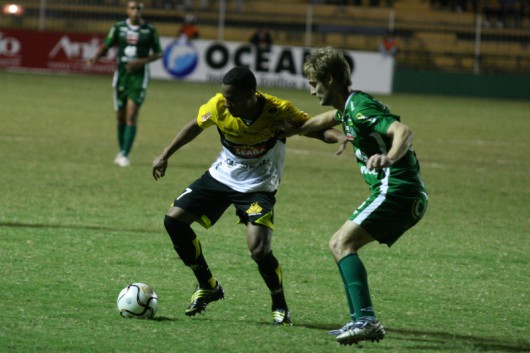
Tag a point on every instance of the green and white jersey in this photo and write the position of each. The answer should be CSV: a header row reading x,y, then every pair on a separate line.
x,y
365,121
133,42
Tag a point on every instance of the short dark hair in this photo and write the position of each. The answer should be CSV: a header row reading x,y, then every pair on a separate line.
x,y
241,78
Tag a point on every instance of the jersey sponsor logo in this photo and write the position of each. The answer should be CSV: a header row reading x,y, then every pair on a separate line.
x,y
366,171
132,37
254,209
249,151
237,165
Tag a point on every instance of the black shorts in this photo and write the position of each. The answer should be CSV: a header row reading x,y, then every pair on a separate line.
x,y
207,199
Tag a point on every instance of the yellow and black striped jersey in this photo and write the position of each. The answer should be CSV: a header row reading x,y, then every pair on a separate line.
x,y
252,155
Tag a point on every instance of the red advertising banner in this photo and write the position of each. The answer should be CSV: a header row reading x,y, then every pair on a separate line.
x,y
53,51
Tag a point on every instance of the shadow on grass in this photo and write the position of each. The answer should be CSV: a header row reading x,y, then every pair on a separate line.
x,y
75,226
436,341
165,318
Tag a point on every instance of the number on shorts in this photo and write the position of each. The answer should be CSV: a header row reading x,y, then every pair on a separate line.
x,y
187,191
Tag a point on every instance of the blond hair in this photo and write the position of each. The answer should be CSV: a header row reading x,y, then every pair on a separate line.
x,y
327,61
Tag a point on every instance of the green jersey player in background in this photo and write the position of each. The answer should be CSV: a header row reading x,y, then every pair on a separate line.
x,y
138,44
388,164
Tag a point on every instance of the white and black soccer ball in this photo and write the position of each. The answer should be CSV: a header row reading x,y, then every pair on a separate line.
x,y
137,300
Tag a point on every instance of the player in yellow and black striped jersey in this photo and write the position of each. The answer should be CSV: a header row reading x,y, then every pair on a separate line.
x,y
246,174
252,155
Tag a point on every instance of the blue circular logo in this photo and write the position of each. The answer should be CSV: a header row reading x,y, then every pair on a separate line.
x,y
180,58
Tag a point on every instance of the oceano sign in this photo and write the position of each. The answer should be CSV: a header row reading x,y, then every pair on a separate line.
x,y
207,61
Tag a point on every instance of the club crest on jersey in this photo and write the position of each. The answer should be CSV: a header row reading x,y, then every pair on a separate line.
x,y
254,209
360,116
206,117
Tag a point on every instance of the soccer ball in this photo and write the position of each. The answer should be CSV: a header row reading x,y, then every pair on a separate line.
x,y
137,300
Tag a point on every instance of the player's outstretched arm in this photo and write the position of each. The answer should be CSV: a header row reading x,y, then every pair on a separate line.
x,y
320,122
189,132
331,136
102,50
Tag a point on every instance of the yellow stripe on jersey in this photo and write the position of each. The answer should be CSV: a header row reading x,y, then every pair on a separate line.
x,y
277,113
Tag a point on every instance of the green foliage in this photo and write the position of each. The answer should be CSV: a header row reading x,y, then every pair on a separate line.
x,y
75,229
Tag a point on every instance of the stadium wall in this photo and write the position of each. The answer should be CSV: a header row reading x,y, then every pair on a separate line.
x,y
198,60
462,84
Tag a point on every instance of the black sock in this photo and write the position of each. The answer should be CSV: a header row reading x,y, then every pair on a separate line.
x,y
271,272
189,248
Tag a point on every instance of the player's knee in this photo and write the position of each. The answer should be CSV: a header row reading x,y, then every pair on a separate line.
x,y
172,225
341,246
182,237
258,253
335,246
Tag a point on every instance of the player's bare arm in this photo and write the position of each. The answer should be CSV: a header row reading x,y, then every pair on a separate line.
x,y
402,137
331,136
189,132
101,51
320,122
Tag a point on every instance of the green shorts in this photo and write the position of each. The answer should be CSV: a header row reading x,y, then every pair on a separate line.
x,y
387,216
131,86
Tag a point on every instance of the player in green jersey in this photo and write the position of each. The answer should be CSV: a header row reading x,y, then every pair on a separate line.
x,y
246,174
138,44
388,164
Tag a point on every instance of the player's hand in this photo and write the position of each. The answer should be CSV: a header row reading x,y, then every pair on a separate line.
x,y
90,62
342,146
378,161
135,65
159,167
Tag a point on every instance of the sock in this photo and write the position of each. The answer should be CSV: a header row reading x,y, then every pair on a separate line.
x,y
189,248
348,299
121,133
271,272
128,139
356,281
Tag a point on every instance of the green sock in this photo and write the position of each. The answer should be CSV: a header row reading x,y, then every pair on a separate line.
x,y
356,281
121,134
130,133
348,299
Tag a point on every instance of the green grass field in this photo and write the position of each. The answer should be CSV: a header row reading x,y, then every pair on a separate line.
x,y
75,229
